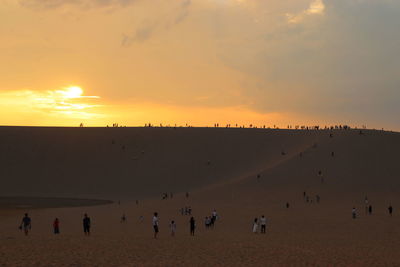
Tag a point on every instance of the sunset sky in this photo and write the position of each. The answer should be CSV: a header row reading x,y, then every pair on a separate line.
x,y
280,62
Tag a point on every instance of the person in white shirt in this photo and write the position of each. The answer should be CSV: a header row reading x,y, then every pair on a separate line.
x,y
155,224
263,222
255,225
172,226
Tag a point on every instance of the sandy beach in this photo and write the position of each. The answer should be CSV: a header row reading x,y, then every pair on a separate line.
x,y
242,173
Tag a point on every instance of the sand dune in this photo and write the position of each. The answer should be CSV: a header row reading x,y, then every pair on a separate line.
x,y
134,162
85,163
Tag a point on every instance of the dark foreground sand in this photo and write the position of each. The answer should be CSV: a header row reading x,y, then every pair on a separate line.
x,y
306,234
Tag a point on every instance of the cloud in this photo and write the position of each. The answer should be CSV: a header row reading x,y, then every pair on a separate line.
x,y
55,4
316,7
174,15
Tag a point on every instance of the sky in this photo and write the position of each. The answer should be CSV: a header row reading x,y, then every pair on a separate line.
x,y
275,62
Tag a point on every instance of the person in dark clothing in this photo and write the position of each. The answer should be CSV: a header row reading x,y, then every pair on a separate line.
x,y
390,209
287,205
56,226
86,225
26,224
192,226
370,209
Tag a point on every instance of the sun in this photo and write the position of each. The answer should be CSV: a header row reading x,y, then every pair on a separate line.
x,y
73,92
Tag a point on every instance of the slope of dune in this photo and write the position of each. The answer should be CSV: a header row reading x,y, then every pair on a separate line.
x,y
134,162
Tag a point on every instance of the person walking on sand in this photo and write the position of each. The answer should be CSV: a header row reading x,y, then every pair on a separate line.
x,y
354,213
56,226
263,222
192,226
123,218
155,224
26,224
370,210
213,217
255,225
86,225
172,227
390,209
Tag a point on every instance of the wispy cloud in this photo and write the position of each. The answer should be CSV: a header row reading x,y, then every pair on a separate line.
x,y
316,7
146,30
54,4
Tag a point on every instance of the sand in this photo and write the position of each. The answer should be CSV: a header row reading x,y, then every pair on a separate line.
x,y
176,160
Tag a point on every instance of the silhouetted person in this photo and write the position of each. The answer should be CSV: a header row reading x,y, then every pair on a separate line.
x,y
287,205
263,222
123,218
390,209
213,217
354,213
370,209
318,198
155,224
187,194
86,224
26,224
172,227
192,226
56,226
304,194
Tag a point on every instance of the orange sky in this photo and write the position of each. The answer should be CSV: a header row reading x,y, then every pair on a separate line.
x,y
199,62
